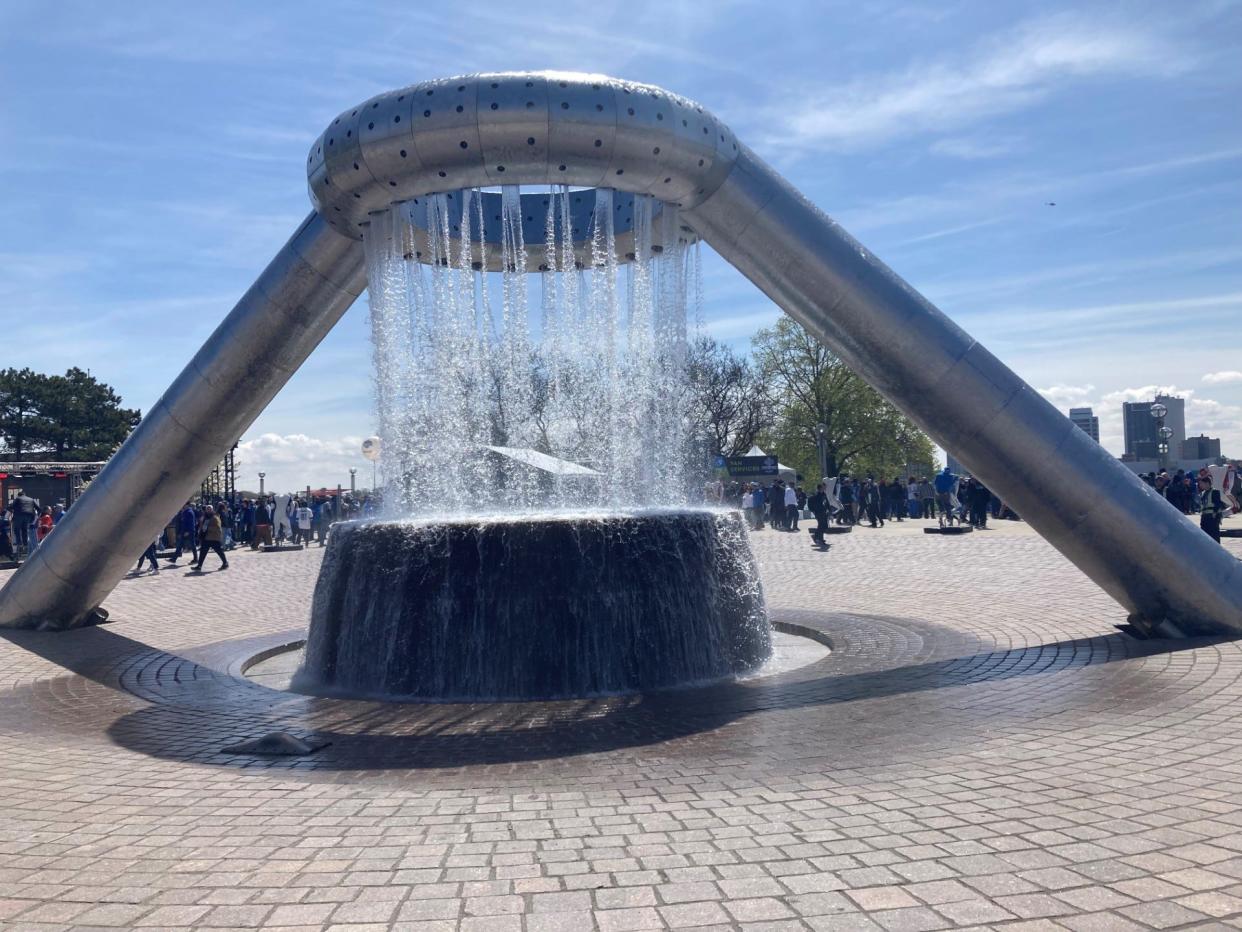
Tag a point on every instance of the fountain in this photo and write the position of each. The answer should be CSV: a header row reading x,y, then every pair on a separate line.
x,y
536,540
394,159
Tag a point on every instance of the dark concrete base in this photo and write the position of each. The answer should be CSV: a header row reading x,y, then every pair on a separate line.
x,y
839,529
534,607
956,529
1231,532
280,548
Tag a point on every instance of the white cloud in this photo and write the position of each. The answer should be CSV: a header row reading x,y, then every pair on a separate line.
x,y
1220,378
294,461
1069,396
969,148
1006,74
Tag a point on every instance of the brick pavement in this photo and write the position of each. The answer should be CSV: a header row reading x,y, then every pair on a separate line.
x,y
981,749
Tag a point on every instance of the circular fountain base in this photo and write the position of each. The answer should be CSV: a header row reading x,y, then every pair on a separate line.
x,y
534,607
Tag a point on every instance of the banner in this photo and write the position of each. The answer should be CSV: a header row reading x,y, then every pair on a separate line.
x,y
750,467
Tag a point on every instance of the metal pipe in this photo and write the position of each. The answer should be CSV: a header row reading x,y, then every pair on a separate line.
x,y
1171,577
310,283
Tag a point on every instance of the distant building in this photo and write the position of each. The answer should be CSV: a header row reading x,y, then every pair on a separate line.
x,y
1087,421
1140,427
1201,448
954,466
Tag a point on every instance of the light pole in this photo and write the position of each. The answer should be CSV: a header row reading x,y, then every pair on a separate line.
x,y
262,475
1158,411
820,430
353,471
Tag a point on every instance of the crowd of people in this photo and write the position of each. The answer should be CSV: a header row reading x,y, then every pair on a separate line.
x,y
202,529
1192,492
946,497
199,529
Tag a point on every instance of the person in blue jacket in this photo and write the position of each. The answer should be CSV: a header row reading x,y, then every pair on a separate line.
x,y
946,487
187,539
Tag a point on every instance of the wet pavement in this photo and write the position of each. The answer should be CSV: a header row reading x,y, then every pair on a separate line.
x,y
982,747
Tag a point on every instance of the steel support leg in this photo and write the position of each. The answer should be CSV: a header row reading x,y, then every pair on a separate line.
x,y
312,281
1171,576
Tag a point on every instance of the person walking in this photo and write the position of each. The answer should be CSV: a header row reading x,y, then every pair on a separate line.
x,y
758,503
212,536
871,502
263,524
818,503
187,529
149,554
848,495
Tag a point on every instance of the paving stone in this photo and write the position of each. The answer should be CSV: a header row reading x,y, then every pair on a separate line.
x,y
997,753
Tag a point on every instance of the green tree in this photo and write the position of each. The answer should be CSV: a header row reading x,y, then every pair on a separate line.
x,y
70,417
862,433
23,426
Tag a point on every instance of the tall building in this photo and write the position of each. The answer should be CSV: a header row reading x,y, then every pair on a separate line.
x,y
954,466
1087,421
1201,448
1140,427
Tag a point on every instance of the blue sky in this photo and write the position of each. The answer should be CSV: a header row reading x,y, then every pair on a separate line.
x,y
153,153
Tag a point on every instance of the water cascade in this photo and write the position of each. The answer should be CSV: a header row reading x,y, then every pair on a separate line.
x,y
539,463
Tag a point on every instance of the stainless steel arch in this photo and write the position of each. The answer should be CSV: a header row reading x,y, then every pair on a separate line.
x,y
593,131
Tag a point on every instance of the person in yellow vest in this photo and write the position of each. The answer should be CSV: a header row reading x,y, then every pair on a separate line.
x,y
1211,509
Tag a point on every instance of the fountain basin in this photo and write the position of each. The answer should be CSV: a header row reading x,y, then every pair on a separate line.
x,y
534,607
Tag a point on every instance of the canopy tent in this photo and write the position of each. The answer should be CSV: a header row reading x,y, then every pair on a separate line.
x,y
782,471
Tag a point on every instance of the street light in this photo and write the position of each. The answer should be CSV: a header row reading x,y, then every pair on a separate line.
x,y
820,430
1158,411
261,477
353,471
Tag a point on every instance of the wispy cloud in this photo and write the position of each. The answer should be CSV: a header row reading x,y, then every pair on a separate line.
x,y
977,147
1221,378
1002,75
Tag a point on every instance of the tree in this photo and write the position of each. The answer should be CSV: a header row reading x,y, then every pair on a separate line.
x,y
71,417
862,433
22,424
727,397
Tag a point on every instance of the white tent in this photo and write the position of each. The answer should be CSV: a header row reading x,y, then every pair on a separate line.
x,y
782,471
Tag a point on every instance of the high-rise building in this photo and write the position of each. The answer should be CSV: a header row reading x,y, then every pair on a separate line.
x,y
1201,448
1086,420
1140,427
954,466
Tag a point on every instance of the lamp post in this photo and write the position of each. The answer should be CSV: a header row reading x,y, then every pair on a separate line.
x,y
262,475
353,471
1158,411
820,430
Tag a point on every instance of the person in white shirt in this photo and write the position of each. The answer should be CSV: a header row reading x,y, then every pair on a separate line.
x,y
305,519
791,508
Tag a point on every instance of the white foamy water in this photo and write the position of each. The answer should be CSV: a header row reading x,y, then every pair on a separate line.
x,y
590,371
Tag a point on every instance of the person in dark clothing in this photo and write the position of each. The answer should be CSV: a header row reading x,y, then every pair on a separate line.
x,y
213,535
896,500
149,554
818,503
25,510
847,495
6,540
871,502
978,498
1210,509
187,524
